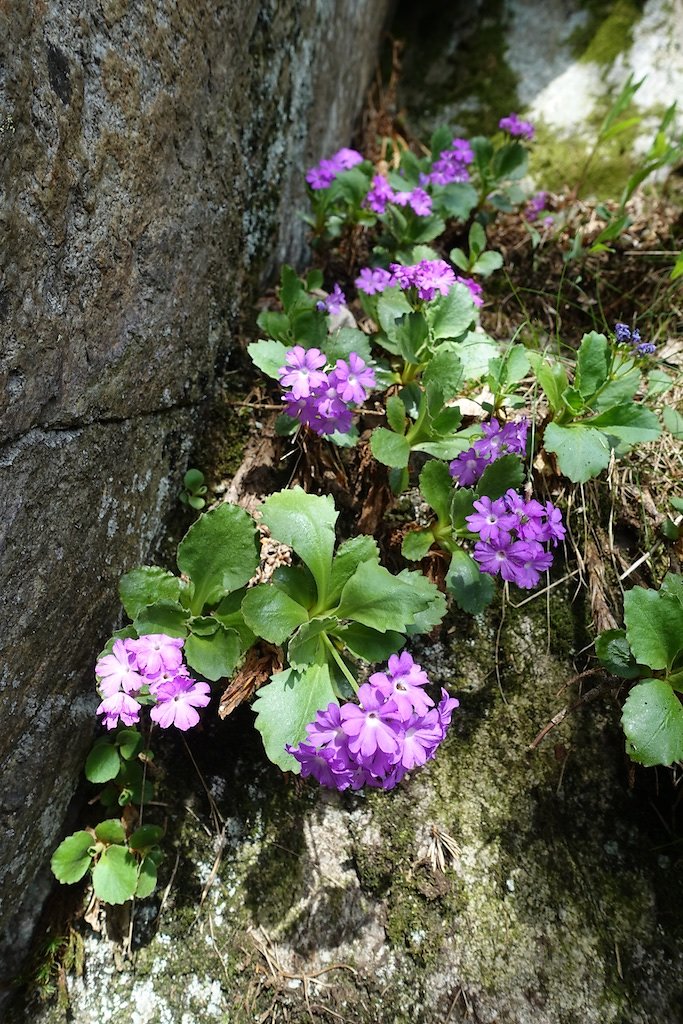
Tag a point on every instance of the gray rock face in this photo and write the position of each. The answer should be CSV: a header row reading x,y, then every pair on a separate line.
x,y
152,159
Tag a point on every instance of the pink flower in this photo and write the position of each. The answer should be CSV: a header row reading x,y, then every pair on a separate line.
x,y
156,652
353,380
119,706
176,703
303,371
116,671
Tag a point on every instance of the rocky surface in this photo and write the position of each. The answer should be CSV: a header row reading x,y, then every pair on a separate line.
x,y
555,903
152,160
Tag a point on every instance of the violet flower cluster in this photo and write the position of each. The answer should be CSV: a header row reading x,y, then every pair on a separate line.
x,y
428,277
512,533
381,193
514,126
396,727
324,399
451,165
536,206
475,289
626,336
509,439
149,667
333,303
323,174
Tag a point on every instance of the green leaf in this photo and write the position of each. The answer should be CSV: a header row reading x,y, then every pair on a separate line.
x,y
296,582
434,601
277,325
410,334
215,655
103,763
672,583
582,452
146,836
445,368
510,161
115,876
458,257
592,363
443,447
129,742
631,423
487,263
499,476
447,421
367,643
167,617
436,487
286,705
552,378
147,585
147,879
673,421
384,602
396,414
306,523
271,613
653,724
220,553
268,356
621,389
391,304
416,544
475,351
389,448
307,646
462,506
471,588
658,383
343,342
614,652
203,625
110,831
512,367
476,239
71,859
654,626
451,315
350,555
456,200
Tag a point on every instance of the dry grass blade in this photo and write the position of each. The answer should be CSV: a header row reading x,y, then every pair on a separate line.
x,y
597,588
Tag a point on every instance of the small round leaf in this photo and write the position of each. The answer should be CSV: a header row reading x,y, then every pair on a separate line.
x,y
115,876
146,836
110,831
103,763
71,859
147,879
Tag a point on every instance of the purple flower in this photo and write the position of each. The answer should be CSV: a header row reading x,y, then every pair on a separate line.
x,y
321,765
534,560
491,521
493,444
329,413
553,530
475,289
177,701
418,200
302,373
119,706
372,725
517,128
334,301
374,280
445,709
345,158
326,171
421,737
622,332
353,380
467,467
433,276
117,671
503,556
535,206
156,652
451,165
379,195
403,683
326,730
529,515
645,349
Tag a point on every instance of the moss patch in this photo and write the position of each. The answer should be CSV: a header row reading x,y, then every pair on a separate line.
x,y
607,31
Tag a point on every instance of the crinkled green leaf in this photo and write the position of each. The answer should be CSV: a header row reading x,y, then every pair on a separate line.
x,y
553,379
416,544
653,723
631,423
369,644
349,556
445,368
434,602
343,342
389,448
220,553
410,334
506,472
487,263
129,742
592,363
115,876
436,487
297,582
396,414
147,879
271,613
110,831
614,652
167,617
672,584
654,626
462,506
475,351
145,836
268,355
286,705
229,613
214,655
673,421
582,452
391,305
456,200
375,598
145,585
204,625
306,523
451,315
472,589
103,763
71,859
307,645
443,447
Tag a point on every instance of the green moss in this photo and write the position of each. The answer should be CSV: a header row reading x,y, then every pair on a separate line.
x,y
559,163
607,31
